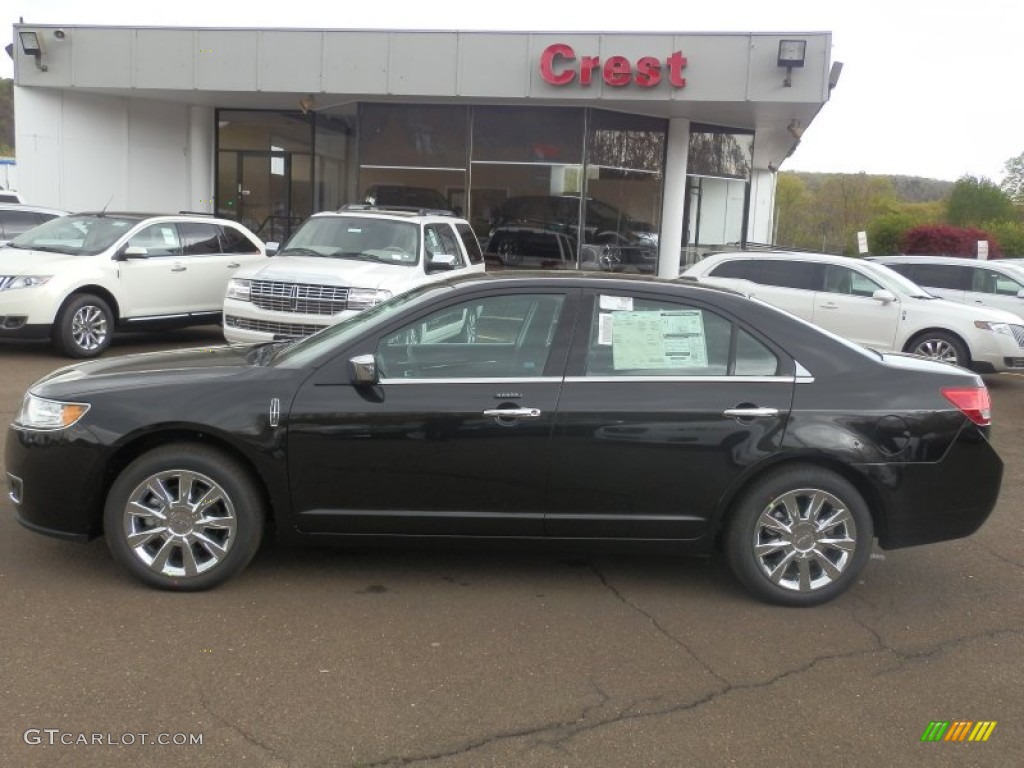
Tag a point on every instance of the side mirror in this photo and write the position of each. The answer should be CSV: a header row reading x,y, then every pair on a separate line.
x,y
1020,293
132,252
884,296
442,262
363,371
273,248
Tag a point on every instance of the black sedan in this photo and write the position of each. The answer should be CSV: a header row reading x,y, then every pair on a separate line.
x,y
558,408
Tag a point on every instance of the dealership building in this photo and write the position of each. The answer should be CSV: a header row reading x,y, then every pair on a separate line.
x,y
667,139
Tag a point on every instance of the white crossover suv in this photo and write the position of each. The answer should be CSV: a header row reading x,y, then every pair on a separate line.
x,y
341,262
872,305
77,278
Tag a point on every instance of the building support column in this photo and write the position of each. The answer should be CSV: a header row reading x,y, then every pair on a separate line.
x,y
670,242
200,158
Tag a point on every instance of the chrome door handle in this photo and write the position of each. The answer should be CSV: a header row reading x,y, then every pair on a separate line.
x,y
234,265
513,413
178,268
829,305
750,413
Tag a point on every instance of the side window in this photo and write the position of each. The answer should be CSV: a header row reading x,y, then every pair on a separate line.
x,y
941,276
476,256
233,241
157,240
786,274
736,269
848,281
199,238
635,336
440,239
990,281
491,337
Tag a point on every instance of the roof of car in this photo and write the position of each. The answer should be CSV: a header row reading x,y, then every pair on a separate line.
x,y
32,208
390,212
952,260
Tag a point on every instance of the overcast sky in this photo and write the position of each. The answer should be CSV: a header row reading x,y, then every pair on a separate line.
x,y
928,87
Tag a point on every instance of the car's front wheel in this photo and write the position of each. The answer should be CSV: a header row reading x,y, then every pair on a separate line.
x,y
184,517
800,536
84,326
939,345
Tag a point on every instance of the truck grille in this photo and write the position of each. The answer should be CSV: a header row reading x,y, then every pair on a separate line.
x,y
290,330
1018,332
4,280
299,298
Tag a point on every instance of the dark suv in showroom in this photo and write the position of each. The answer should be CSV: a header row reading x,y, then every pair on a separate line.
x,y
544,231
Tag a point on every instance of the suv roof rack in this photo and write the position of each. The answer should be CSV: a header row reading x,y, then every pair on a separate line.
x,y
412,209
195,213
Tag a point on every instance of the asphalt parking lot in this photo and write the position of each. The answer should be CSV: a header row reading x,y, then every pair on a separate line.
x,y
397,658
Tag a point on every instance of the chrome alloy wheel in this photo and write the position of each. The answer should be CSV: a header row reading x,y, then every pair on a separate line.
x,y
804,539
179,523
89,327
938,349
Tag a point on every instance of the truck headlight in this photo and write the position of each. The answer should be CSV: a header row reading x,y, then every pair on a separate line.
x,y
27,281
238,289
1001,328
39,413
364,298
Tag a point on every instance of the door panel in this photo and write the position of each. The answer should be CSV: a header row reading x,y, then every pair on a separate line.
x,y
155,282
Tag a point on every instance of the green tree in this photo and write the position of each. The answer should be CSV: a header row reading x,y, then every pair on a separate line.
x,y
847,204
1013,184
793,204
977,200
6,117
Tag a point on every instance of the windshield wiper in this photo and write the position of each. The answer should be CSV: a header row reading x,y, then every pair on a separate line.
x,y
303,251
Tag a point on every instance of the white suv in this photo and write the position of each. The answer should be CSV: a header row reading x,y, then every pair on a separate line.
x,y
871,304
74,279
342,262
997,284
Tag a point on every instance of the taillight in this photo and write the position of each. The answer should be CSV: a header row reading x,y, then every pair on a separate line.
x,y
973,402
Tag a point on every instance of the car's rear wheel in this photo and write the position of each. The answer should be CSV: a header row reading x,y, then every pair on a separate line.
x,y
940,345
84,326
799,537
184,517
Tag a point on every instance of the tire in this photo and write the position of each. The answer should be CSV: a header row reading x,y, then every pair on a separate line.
x,y
172,546
84,326
778,547
940,345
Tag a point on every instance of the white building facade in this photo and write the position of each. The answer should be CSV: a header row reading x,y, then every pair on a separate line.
x,y
668,140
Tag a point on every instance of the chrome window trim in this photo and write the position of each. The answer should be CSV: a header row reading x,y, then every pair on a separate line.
x,y
479,380
683,379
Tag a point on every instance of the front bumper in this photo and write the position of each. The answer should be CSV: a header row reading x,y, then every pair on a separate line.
x,y
245,323
56,481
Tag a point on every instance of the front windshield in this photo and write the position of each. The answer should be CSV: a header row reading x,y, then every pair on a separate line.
x,y
301,353
79,234
357,237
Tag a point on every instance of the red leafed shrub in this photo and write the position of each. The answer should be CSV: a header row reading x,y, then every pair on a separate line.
x,y
944,240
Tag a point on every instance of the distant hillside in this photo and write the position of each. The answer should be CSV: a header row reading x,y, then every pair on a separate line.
x,y
910,189
6,116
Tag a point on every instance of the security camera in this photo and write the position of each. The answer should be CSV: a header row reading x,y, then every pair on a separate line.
x,y
60,34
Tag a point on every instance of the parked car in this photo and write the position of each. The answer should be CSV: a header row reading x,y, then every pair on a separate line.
x,y
558,407
872,305
77,278
340,263
988,283
10,196
17,219
543,231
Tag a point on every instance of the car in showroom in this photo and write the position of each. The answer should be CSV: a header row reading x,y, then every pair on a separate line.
x,y
577,409
339,263
17,219
873,305
543,232
998,284
76,279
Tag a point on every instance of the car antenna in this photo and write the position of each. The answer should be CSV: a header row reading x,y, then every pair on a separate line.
x,y
107,205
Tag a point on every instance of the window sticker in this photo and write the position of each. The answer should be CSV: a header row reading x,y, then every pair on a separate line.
x,y
659,339
169,236
605,323
617,303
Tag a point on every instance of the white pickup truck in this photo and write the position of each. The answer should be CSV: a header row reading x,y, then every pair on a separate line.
x,y
342,262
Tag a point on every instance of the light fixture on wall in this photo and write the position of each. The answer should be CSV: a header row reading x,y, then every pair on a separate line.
x,y
32,46
791,54
795,129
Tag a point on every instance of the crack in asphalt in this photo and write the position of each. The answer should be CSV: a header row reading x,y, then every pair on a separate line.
x,y
996,555
244,734
561,731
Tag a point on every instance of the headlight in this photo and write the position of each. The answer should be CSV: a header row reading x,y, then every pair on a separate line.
x,y
1003,328
28,281
240,290
37,413
364,298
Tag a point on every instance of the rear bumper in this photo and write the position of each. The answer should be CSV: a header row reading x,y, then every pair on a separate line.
x,y
948,499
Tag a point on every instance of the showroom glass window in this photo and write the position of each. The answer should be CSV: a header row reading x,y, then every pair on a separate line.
x,y
637,336
718,171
